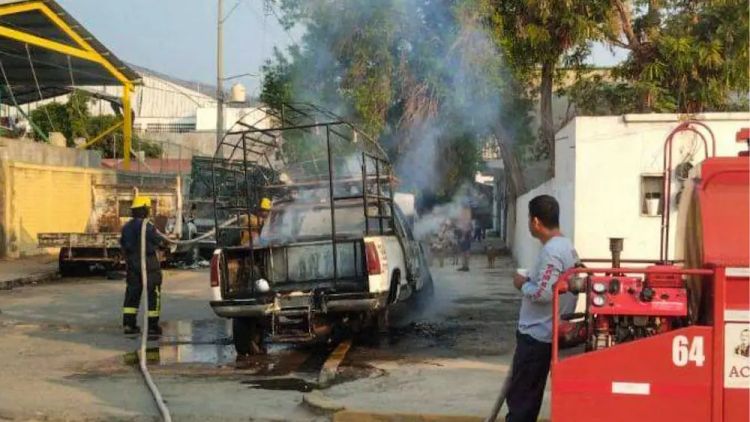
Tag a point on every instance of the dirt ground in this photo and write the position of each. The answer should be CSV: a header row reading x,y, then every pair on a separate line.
x,y
65,358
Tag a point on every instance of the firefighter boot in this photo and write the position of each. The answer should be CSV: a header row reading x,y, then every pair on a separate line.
x,y
153,327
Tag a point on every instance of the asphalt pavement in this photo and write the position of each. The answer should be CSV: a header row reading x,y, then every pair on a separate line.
x,y
65,358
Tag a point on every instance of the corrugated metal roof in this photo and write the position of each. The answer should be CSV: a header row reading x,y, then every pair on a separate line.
x,y
53,69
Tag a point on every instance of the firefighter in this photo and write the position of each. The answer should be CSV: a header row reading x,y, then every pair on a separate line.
x,y
256,222
130,241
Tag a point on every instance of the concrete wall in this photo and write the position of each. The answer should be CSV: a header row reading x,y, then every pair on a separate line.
x,y
612,153
28,151
599,162
525,247
41,198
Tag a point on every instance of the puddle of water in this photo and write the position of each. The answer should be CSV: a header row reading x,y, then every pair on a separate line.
x,y
170,354
209,342
207,331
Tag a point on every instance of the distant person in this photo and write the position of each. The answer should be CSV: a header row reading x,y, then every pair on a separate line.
x,y
130,241
464,244
477,229
531,360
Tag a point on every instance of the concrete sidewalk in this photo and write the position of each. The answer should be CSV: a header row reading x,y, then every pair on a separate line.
x,y
30,270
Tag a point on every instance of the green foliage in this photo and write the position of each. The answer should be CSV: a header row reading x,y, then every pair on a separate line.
x,y
685,57
74,120
594,96
52,117
410,72
537,36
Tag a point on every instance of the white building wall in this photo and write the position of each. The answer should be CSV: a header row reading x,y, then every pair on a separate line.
x,y
612,154
599,162
205,119
156,101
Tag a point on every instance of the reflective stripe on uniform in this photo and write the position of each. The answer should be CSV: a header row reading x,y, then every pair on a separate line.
x,y
153,314
129,311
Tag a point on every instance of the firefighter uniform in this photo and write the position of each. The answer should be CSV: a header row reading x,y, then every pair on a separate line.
x,y
254,223
131,246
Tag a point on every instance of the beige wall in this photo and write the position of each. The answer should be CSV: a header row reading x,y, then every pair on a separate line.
x,y
599,162
39,198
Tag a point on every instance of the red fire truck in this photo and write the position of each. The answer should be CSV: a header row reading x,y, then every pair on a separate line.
x,y
667,340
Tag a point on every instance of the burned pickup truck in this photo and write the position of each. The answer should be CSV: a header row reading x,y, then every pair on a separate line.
x,y
334,253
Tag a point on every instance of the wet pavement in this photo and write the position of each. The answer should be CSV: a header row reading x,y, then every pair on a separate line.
x,y
67,339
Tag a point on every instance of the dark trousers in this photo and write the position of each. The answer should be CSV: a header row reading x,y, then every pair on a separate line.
x,y
133,291
531,363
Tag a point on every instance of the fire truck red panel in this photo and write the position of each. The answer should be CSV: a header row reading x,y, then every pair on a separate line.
x,y
725,211
666,377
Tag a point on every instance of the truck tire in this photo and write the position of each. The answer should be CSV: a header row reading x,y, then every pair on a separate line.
x,y
247,334
67,269
71,269
393,290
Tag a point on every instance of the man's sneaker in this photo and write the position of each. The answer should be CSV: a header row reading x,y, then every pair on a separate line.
x,y
463,269
129,329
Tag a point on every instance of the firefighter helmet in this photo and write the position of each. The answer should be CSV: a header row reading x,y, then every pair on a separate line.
x,y
141,201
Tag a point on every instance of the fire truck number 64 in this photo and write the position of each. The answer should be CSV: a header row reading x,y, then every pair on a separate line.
x,y
685,351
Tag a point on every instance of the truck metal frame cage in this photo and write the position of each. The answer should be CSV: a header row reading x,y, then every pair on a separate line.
x,y
298,152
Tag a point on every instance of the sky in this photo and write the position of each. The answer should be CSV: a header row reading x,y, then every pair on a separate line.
x,y
178,37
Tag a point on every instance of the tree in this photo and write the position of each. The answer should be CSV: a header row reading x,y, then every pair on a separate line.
x,y
684,56
536,35
423,76
73,119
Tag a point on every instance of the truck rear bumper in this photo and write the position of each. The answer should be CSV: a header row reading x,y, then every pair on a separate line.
x,y
241,308
330,304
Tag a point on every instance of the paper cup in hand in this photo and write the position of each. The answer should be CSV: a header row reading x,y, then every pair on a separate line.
x,y
523,272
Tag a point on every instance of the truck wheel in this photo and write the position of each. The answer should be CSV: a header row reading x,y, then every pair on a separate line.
x,y
71,269
247,334
393,293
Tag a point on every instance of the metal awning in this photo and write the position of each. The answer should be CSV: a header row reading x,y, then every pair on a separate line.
x,y
43,50
41,44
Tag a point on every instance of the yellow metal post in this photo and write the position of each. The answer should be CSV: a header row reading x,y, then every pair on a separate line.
x,y
127,127
100,136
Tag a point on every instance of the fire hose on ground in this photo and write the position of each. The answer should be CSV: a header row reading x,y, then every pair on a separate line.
x,y
166,416
155,393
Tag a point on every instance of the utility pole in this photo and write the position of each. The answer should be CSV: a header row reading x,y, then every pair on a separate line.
x,y
220,77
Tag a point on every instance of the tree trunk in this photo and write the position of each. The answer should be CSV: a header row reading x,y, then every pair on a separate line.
x,y
547,131
511,164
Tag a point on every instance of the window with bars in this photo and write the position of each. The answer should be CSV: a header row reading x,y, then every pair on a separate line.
x,y
168,127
